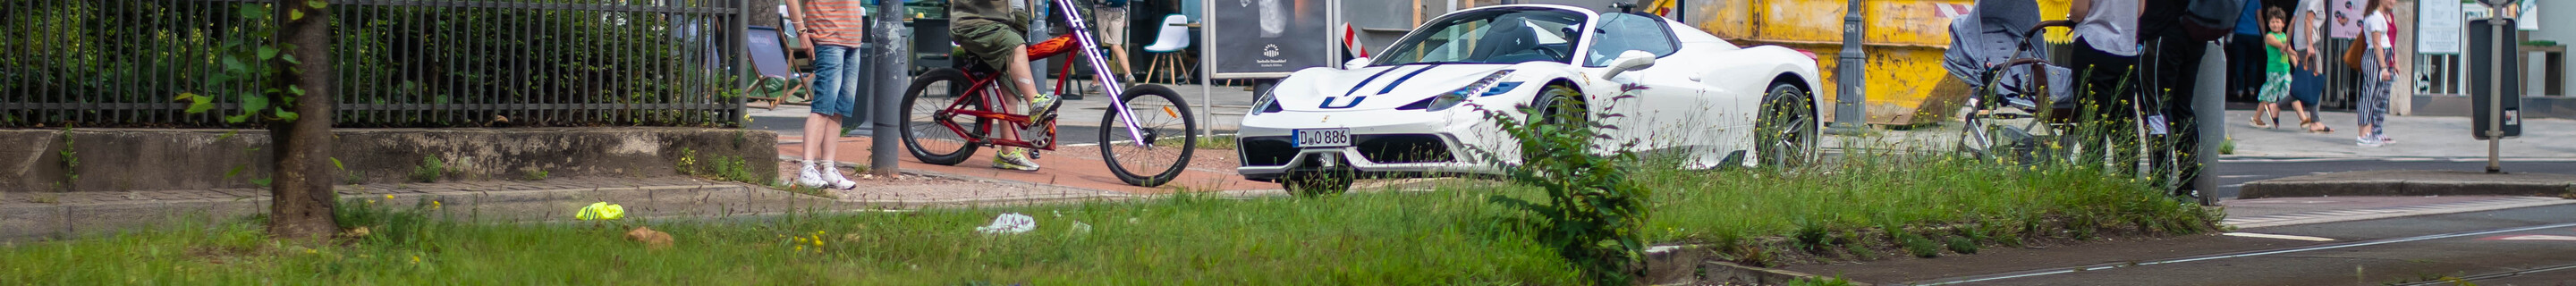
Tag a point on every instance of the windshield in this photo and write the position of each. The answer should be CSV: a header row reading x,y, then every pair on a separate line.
x,y
1495,36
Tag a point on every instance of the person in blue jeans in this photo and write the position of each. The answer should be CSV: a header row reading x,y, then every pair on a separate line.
x,y
833,29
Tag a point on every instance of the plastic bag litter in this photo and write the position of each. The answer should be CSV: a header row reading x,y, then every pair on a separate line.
x,y
599,211
1010,223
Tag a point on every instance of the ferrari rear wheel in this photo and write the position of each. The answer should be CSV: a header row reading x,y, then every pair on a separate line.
x,y
1785,136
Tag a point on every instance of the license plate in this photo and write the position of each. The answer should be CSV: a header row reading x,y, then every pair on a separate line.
x,y
1335,137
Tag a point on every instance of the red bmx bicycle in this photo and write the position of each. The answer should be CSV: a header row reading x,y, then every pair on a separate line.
x,y
1146,135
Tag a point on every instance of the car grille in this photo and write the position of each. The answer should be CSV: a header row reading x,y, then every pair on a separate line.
x,y
1265,151
1403,148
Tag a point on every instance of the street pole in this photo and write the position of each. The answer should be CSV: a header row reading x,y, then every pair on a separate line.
x,y
2209,121
2495,99
1849,115
891,79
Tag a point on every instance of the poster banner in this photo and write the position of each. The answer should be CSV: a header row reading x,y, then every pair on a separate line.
x,y
2438,31
2347,18
1268,38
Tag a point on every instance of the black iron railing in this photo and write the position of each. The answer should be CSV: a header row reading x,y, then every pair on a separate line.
x,y
397,63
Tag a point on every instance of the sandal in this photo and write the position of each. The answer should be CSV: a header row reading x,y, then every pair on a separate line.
x,y
2256,121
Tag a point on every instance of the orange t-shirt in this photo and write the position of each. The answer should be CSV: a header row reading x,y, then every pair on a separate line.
x,y
836,22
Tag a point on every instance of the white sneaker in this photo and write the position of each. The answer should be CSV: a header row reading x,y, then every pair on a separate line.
x,y
832,173
807,176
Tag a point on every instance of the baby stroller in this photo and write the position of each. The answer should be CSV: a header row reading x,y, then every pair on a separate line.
x,y
2023,109
2012,106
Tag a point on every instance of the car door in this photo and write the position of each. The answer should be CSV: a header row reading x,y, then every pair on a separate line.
x,y
1663,108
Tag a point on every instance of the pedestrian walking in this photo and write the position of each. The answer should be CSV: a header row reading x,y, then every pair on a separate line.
x,y
2276,68
2379,72
2307,77
832,28
2107,56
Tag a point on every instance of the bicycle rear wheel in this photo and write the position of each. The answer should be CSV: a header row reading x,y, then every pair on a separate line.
x,y
1162,150
926,107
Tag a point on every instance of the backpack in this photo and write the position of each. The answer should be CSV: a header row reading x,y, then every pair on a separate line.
x,y
2209,20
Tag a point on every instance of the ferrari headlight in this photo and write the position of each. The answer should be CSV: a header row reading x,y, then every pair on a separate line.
x,y
1269,103
1481,87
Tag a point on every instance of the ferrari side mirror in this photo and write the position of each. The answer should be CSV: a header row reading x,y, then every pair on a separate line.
x,y
1356,63
1631,60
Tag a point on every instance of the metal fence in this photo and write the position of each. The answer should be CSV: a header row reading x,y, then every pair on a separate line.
x,y
398,63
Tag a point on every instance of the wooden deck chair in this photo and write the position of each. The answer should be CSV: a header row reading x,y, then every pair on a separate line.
x,y
778,83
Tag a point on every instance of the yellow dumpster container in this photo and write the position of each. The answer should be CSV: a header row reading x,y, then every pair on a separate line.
x,y
1904,40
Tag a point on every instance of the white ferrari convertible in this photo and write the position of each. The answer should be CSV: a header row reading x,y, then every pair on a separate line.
x,y
1418,108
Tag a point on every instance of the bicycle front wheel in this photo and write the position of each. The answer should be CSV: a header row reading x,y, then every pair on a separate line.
x,y
1163,138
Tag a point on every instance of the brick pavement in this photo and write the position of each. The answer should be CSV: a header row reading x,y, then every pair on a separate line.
x,y
1076,167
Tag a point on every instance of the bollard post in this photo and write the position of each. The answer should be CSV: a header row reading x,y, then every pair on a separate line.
x,y
891,57
1850,116
2209,118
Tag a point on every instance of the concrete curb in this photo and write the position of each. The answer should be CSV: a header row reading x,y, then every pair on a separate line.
x,y
65,221
2412,183
1690,265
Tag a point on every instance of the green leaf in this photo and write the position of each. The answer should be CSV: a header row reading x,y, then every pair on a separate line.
x,y
294,90
266,53
199,103
335,164
254,103
237,169
289,58
227,134
237,118
316,4
294,14
283,115
251,11
233,65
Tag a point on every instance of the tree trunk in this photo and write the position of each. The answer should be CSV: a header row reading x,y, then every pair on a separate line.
x,y
301,198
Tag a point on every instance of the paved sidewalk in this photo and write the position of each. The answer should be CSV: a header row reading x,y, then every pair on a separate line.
x,y
2417,136
1230,101
1072,167
2420,137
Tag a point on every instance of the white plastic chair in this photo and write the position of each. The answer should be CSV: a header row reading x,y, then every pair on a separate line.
x,y
1170,45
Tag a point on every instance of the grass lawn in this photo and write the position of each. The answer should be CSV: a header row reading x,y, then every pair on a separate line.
x,y
1449,235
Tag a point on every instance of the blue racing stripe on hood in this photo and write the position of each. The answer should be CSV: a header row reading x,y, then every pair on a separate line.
x,y
1364,82
1390,87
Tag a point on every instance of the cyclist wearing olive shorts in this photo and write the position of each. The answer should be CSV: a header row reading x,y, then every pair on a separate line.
x,y
991,30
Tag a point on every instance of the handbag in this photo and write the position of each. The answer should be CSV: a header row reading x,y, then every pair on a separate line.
x,y
2352,55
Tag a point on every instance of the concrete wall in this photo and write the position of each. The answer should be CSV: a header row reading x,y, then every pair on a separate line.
x,y
164,159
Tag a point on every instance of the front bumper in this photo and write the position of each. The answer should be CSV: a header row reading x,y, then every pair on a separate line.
x,y
1408,146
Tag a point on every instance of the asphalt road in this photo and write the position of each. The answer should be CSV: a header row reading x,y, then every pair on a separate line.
x,y
2525,246
2235,173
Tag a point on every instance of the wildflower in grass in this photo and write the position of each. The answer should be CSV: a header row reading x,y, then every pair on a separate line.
x,y
433,205
415,259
